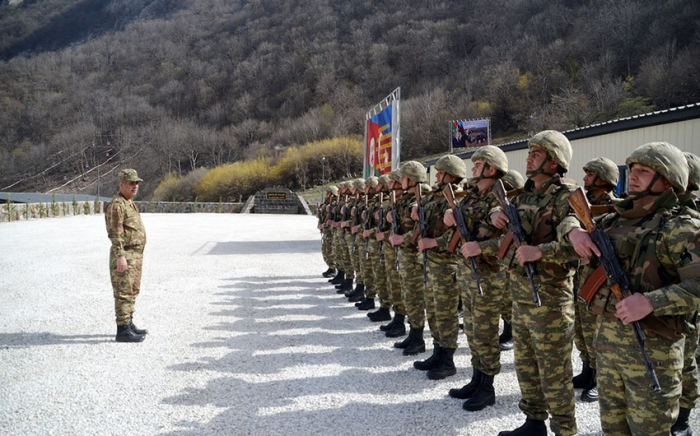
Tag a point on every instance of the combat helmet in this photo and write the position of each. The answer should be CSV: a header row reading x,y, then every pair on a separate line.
x,y
493,156
371,182
414,170
395,175
514,179
693,171
605,169
666,159
452,165
358,184
332,189
556,145
384,180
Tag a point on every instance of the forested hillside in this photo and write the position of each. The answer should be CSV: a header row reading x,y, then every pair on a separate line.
x,y
170,86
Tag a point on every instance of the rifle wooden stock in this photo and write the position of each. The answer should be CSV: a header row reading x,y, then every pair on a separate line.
x,y
602,209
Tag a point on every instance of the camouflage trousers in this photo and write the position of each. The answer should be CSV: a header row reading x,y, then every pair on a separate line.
x,y
584,332
411,273
690,365
358,252
371,265
327,248
344,253
627,404
482,315
353,253
393,280
338,249
379,282
442,299
543,338
126,286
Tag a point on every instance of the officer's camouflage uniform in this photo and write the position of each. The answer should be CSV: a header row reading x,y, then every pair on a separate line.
x,y
543,336
128,236
659,249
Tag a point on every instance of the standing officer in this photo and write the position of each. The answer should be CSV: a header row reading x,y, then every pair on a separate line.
x,y
410,267
482,309
128,236
543,335
599,182
442,294
326,231
658,249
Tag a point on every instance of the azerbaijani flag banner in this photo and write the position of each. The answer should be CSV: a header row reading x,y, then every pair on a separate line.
x,y
382,137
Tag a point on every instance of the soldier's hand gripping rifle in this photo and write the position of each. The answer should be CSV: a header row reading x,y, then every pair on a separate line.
x,y
423,232
517,234
463,231
394,227
380,220
619,284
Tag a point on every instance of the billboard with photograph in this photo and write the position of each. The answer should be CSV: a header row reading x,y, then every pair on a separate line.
x,y
382,144
469,133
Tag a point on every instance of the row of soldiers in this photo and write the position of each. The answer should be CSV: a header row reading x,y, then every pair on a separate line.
x,y
498,246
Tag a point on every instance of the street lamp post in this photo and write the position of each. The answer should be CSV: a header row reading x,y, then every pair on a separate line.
x,y
323,170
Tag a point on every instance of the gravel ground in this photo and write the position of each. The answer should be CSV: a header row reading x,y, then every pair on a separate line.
x,y
246,338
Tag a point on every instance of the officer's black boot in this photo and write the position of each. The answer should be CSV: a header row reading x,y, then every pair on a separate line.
x,y
416,343
137,330
469,389
345,286
446,366
431,362
367,304
330,272
590,393
583,380
398,329
338,278
681,426
484,396
505,340
124,334
382,314
532,427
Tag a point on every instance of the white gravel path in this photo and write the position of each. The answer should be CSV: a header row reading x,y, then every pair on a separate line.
x,y
246,338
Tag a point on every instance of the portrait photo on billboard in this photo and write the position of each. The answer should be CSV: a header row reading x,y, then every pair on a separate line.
x,y
469,133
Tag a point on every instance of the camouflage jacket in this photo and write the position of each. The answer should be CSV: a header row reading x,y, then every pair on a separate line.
x,y
404,204
124,227
435,205
475,207
658,246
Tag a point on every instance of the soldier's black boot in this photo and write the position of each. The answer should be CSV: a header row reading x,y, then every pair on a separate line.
x,y
367,304
590,393
338,278
416,343
330,272
469,389
532,427
484,396
382,314
357,294
411,334
137,330
398,329
345,286
505,339
681,427
124,334
387,327
583,380
431,362
446,367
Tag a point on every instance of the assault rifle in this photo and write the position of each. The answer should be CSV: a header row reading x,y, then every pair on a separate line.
x,y
515,234
395,227
463,231
619,284
380,220
344,214
355,222
367,221
423,232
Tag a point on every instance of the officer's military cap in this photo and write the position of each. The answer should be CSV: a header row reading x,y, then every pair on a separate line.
x,y
555,144
693,171
493,156
664,158
129,175
605,169
452,165
414,170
